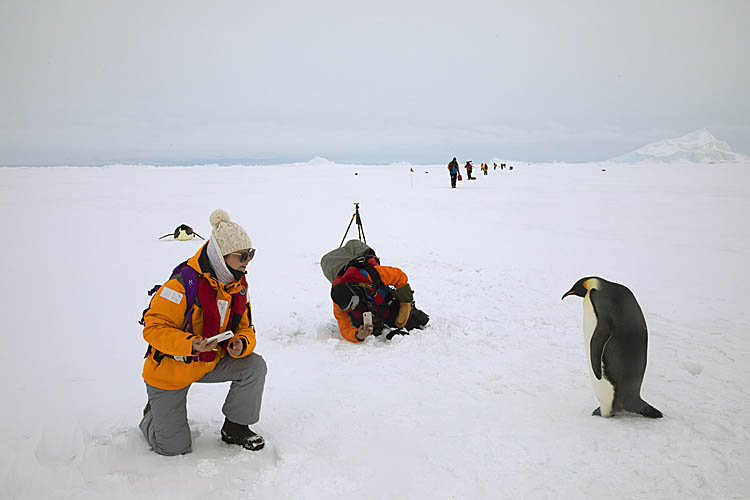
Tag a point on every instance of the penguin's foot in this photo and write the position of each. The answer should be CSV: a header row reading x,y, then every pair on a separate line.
x,y
649,411
598,413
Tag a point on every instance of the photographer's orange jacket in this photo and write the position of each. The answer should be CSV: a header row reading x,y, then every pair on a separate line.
x,y
392,276
166,327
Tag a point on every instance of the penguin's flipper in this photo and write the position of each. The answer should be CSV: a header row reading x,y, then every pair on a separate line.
x,y
602,334
597,412
170,234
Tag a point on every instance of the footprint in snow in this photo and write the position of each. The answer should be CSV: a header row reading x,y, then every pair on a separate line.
x,y
206,468
693,368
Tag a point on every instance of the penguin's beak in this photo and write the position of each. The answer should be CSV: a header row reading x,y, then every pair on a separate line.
x,y
569,292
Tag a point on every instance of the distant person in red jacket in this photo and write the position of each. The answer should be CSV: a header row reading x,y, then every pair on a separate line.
x,y
469,167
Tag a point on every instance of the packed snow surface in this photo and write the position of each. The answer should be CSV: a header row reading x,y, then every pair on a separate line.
x,y
492,400
699,147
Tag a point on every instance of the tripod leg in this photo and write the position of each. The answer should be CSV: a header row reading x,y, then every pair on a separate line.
x,y
347,230
360,229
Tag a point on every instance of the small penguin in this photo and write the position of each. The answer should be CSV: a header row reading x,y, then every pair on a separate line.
x,y
616,343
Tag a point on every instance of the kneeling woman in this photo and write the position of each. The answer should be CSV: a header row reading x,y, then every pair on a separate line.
x,y
206,296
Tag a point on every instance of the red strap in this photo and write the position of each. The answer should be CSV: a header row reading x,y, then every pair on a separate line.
x,y
211,318
239,303
239,299
207,300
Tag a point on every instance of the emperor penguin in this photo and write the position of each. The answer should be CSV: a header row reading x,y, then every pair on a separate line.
x,y
616,343
183,232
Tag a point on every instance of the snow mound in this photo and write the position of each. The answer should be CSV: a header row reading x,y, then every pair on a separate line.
x,y
699,147
319,161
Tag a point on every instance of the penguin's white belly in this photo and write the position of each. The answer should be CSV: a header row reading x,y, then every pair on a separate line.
x,y
604,390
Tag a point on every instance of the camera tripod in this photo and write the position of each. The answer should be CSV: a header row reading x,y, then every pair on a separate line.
x,y
360,228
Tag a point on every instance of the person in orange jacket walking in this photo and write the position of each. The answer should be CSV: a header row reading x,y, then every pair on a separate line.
x,y
206,296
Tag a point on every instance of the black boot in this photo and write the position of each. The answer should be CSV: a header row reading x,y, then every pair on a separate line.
x,y
417,319
242,435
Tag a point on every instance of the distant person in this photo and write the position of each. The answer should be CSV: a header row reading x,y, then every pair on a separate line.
x,y
494,166
485,168
469,167
206,296
453,169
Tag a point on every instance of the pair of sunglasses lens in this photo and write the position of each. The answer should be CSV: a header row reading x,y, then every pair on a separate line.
x,y
246,256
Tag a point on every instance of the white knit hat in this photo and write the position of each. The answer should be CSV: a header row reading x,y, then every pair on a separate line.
x,y
228,236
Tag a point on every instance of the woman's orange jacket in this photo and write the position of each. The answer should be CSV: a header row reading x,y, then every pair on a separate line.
x,y
392,276
166,327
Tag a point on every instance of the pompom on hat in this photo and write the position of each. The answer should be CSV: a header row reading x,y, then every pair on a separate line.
x,y
228,236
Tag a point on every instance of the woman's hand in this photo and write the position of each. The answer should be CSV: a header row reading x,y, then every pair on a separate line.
x,y
204,345
235,347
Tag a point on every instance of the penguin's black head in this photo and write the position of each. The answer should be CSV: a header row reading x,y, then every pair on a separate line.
x,y
581,287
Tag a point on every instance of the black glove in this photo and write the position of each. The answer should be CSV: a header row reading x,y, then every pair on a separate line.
x,y
395,332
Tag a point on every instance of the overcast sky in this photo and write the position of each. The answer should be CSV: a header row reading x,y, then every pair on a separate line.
x,y
377,81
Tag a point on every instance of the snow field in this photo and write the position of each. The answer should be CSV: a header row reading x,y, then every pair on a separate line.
x,y
492,400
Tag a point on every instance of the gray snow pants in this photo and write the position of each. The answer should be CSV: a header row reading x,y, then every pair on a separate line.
x,y
166,425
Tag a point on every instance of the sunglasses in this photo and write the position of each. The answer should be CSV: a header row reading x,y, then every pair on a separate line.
x,y
245,256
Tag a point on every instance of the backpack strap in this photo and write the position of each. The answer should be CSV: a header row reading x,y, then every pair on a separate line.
x,y
374,275
189,279
239,306
150,294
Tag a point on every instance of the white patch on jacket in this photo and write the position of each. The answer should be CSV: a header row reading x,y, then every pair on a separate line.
x,y
171,295
223,305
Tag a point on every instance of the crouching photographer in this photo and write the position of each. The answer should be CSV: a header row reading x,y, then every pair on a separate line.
x,y
383,292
